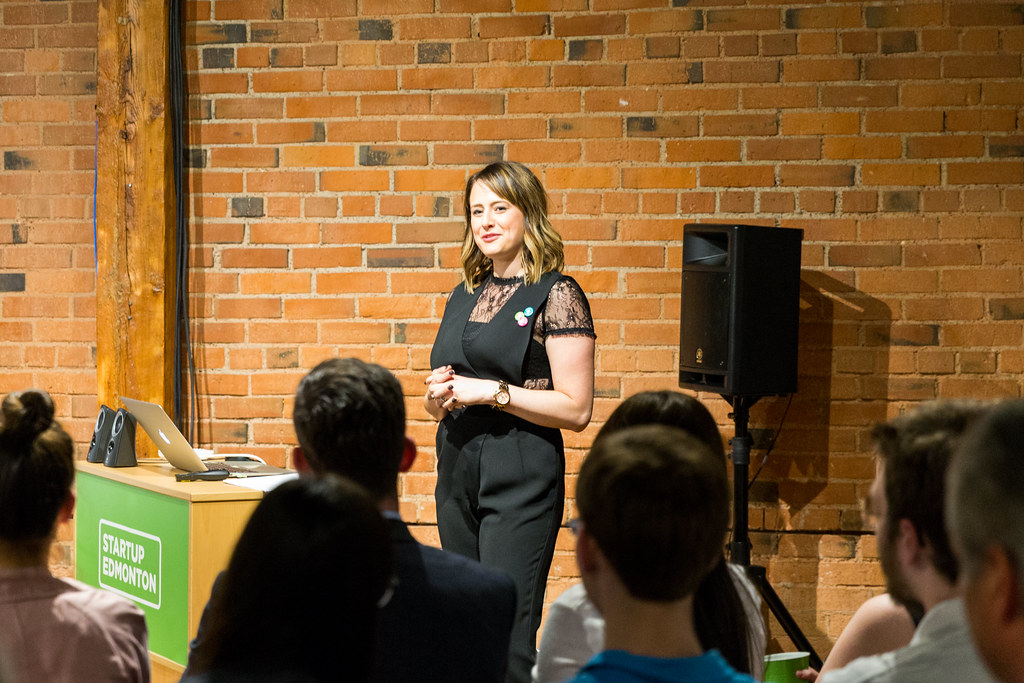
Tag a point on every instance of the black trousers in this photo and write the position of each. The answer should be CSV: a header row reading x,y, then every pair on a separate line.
x,y
500,496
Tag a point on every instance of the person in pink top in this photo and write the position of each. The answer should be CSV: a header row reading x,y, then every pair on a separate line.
x,y
52,629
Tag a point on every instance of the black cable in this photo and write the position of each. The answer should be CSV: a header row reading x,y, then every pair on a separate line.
x,y
775,438
182,338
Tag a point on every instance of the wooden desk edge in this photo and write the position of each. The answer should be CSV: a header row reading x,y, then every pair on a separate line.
x,y
160,479
164,670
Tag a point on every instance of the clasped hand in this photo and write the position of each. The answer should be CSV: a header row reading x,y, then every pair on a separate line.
x,y
450,391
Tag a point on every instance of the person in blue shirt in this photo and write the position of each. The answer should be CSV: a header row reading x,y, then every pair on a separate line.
x,y
653,502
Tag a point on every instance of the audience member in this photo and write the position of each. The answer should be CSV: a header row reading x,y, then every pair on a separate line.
x,y
267,621
52,629
654,509
985,508
726,605
921,572
449,617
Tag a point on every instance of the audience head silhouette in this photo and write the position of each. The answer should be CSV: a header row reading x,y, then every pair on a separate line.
x,y
656,501
52,628
349,418
670,408
719,614
269,620
985,512
914,452
36,473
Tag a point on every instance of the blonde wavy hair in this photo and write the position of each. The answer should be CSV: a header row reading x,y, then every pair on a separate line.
x,y
516,184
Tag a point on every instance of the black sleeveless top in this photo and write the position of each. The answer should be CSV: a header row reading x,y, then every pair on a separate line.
x,y
498,331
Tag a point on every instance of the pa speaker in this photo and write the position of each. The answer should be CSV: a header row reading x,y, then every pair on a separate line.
x,y
740,309
101,435
120,450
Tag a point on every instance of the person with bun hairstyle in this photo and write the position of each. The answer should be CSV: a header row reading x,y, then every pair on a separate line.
x,y
52,629
513,364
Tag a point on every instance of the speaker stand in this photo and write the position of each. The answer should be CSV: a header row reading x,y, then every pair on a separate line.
x,y
739,548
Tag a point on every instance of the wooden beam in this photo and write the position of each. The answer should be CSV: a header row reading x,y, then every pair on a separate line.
x,y
135,289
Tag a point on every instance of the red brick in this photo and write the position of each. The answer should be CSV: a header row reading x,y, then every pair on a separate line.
x,y
861,147
603,151
437,78
766,71
997,120
248,308
703,150
362,80
820,123
363,180
326,257
287,81
843,96
723,99
783,149
293,233
560,178
981,173
321,107
284,283
864,255
33,110
736,176
254,258
42,14
673,178
249,108
820,70
320,207
904,174
317,156
281,181
356,233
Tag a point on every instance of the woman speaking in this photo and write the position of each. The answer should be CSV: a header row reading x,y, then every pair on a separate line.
x,y
513,364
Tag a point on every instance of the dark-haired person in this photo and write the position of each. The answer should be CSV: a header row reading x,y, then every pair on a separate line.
x,y
315,552
985,512
921,572
449,618
52,629
513,364
727,609
654,510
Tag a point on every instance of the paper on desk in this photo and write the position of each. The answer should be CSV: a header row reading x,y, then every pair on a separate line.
x,y
265,484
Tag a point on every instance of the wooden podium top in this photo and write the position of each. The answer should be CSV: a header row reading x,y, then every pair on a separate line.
x,y
160,479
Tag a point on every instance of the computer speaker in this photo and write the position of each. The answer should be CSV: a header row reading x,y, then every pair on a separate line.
x,y
120,450
101,435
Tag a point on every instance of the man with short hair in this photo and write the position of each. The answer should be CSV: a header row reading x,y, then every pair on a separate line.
x,y
654,508
985,510
906,499
449,618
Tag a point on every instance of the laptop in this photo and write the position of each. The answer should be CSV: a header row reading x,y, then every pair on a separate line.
x,y
178,452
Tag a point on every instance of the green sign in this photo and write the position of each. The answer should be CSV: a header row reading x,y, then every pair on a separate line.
x,y
130,563
134,542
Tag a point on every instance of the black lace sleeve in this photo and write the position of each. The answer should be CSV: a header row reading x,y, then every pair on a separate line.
x,y
567,312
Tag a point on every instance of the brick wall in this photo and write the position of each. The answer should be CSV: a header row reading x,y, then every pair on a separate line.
x,y
47,277
329,141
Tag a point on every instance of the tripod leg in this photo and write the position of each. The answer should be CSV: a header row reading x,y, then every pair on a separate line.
x,y
760,578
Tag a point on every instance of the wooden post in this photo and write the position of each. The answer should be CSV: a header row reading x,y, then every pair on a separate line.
x,y
135,289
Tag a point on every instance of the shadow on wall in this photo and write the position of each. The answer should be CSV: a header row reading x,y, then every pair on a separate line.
x,y
806,501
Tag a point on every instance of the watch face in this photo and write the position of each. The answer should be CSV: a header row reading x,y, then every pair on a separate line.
x,y
501,398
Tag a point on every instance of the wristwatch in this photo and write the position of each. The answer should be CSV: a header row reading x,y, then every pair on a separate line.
x,y
501,396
